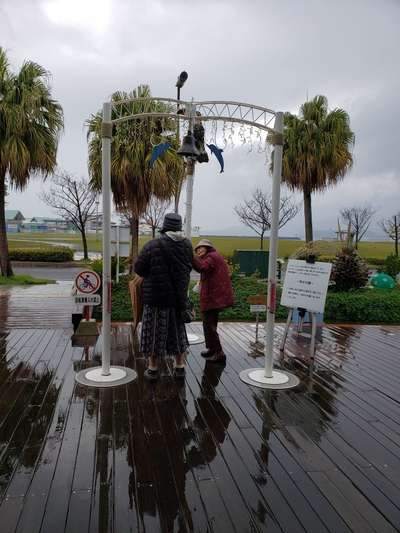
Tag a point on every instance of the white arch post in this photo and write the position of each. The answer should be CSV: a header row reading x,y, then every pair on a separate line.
x,y
106,375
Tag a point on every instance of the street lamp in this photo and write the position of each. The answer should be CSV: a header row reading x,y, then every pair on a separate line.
x,y
180,82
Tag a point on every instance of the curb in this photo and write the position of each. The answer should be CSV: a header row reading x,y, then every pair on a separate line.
x,y
49,264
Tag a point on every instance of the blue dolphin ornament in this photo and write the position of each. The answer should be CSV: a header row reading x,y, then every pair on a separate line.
x,y
158,151
218,154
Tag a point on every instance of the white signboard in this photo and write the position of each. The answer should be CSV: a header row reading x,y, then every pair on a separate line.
x,y
306,285
87,282
90,299
258,308
120,239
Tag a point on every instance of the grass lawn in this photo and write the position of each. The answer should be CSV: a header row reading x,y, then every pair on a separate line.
x,y
225,245
24,280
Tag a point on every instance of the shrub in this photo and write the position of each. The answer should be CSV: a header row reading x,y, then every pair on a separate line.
x,y
55,254
368,306
97,266
349,271
392,265
374,260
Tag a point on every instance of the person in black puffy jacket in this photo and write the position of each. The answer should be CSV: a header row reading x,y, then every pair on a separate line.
x,y
165,264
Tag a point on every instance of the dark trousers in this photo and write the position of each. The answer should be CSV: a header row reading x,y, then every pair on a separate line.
x,y
210,324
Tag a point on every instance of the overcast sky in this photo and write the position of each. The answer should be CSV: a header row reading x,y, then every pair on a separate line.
x,y
260,51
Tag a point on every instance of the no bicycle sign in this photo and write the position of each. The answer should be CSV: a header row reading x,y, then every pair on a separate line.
x,y
87,282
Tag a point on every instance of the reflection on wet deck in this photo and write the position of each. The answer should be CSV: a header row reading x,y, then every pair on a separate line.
x,y
210,455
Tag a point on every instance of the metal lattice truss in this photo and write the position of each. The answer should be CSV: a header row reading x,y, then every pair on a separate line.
x,y
225,111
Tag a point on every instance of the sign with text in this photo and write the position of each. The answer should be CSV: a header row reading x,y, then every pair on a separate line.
x,y
306,285
120,241
258,308
89,299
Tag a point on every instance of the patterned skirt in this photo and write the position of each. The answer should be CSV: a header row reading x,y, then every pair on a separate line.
x,y
163,332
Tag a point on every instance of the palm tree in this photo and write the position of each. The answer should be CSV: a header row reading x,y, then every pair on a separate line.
x,y
30,124
133,181
316,151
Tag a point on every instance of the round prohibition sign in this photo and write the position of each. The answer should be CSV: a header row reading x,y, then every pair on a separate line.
x,y
87,282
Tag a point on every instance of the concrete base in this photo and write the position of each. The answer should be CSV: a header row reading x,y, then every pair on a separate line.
x,y
279,380
195,339
94,377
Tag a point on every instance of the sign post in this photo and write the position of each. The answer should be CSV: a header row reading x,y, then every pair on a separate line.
x,y
258,304
120,244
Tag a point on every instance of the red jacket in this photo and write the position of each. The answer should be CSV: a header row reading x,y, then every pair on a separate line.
x,y
215,288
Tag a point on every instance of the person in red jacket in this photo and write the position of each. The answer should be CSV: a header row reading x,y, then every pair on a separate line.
x,y
216,293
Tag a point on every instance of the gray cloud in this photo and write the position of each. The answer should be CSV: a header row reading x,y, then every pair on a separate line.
x,y
255,51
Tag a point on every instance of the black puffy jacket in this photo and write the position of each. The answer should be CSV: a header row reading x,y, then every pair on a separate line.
x,y
158,266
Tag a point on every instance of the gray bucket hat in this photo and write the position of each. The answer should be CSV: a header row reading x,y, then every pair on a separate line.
x,y
204,242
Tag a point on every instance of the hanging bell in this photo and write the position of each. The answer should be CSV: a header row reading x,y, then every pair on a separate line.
x,y
188,148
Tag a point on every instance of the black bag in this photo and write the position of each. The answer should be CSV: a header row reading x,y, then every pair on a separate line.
x,y
188,314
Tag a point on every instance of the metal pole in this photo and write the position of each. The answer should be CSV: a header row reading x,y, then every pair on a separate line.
x,y
117,272
273,248
106,190
287,326
189,198
313,334
177,194
190,165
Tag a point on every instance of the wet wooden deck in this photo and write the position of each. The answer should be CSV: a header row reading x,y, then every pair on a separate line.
x,y
211,455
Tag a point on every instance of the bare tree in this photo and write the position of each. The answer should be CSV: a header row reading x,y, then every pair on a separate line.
x,y
73,200
155,213
391,226
256,212
359,220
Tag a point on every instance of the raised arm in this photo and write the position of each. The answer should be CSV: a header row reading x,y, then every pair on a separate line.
x,y
203,264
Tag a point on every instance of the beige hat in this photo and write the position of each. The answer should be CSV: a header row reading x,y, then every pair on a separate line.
x,y
204,242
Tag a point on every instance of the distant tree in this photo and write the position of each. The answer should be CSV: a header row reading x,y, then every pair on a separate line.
x,y
30,124
73,200
316,151
391,226
155,213
359,220
256,212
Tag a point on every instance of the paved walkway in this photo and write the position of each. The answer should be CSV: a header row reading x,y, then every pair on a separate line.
x,y
209,455
36,306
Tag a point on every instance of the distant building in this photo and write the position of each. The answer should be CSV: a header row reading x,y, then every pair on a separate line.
x,y
94,223
47,225
14,220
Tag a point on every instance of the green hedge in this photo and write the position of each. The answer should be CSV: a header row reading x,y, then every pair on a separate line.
x,y
56,254
97,266
370,306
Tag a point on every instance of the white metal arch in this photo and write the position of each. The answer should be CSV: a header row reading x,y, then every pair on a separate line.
x,y
210,110
228,111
